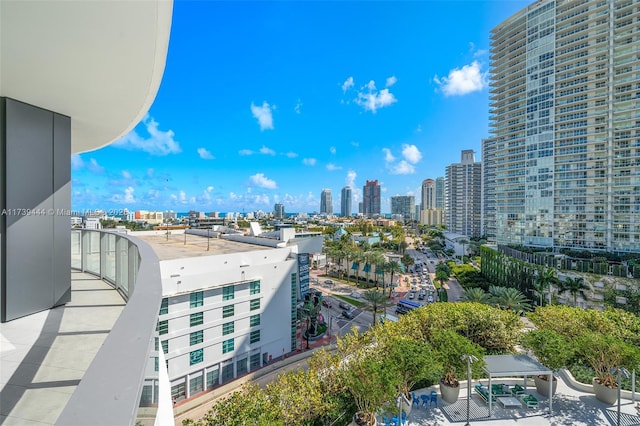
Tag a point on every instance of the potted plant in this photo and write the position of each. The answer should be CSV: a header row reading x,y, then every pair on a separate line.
x,y
449,347
604,352
552,350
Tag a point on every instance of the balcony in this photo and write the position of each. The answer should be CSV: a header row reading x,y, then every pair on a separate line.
x,y
85,362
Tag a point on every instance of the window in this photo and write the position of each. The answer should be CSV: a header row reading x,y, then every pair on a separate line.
x,y
227,346
254,361
212,378
254,320
165,346
242,366
196,337
164,306
195,357
254,287
163,327
227,311
156,345
155,366
227,292
254,304
196,319
254,336
195,385
196,299
227,328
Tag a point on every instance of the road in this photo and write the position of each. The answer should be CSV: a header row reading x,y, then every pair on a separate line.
x,y
454,290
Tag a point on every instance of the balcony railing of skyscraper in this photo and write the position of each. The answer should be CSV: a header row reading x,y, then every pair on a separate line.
x,y
110,391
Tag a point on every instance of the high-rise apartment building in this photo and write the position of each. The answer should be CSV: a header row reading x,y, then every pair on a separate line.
x,y
564,106
440,204
326,205
346,201
463,195
403,205
278,211
488,219
371,198
429,214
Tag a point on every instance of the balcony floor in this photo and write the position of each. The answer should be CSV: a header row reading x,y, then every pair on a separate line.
x,y
44,356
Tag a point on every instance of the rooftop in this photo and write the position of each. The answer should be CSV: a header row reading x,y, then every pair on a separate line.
x,y
178,245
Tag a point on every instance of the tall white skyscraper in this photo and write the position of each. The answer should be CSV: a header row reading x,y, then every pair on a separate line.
x,y
463,195
326,205
565,132
346,201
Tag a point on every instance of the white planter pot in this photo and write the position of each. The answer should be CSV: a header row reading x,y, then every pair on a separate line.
x,y
605,394
542,386
449,393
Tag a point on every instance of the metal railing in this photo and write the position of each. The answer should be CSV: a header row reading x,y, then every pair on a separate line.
x,y
110,391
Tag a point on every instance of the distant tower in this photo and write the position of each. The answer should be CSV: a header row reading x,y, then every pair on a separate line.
x,y
440,193
278,211
403,205
463,195
326,205
371,198
428,199
345,201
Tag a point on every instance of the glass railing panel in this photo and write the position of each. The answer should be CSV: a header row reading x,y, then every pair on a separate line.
x,y
110,257
122,269
76,249
92,252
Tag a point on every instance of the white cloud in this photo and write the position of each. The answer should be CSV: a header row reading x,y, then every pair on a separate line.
x,y
127,198
245,152
263,115
331,167
391,81
351,179
371,99
291,154
403,168
411,153
260,180
388,156
267,151
94,167
150,172
348,83
309,161
332,149
261,199
158,143
205,154
76,162
298,107
355,143
126,174
462,81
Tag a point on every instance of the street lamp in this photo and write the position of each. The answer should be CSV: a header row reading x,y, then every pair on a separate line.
x,y
621,371
470,359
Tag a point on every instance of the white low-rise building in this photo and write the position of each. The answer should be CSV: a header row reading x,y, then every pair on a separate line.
x,y
229,308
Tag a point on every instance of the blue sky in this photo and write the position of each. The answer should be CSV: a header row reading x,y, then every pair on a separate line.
x,y
266,102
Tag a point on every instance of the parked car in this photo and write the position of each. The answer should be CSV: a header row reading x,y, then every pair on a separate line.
x,y
329,282
326,303
348,314
421,296
412,295
430,299
344,305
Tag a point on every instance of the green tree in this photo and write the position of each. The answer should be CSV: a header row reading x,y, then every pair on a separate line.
x,y
477,295
393,268
376,299
407,261
574,286
543,282
510,298
449,347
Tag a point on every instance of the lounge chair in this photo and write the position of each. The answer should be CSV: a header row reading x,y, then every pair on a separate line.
x,y
499,389
483,391
530,401
517,390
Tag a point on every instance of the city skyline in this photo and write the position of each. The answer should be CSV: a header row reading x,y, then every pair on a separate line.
x,y
232,131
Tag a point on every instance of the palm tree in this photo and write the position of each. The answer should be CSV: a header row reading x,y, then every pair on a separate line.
x,y
510,298
378,260
543,282
394,268
376,299
476,295
574,286
358,258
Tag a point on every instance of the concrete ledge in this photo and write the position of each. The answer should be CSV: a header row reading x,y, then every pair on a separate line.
x,y
588,388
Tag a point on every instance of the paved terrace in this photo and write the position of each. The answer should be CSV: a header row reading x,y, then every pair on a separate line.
x,y
45,355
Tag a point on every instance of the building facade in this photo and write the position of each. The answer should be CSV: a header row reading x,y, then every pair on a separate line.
x,y
326,205
404,206
278,211
488,219
440,204
564,92
346,201
371,199
463,195
429,214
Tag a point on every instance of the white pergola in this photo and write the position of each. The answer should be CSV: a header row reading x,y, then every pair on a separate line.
x,y
515,366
